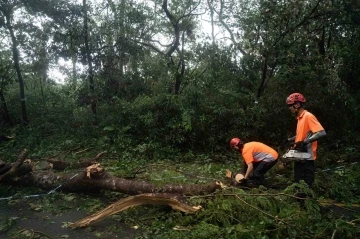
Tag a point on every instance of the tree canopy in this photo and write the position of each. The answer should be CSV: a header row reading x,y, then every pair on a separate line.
x,y
177,79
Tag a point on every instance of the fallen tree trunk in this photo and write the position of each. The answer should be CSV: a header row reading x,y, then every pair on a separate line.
x,y
173,200
93,179
96,179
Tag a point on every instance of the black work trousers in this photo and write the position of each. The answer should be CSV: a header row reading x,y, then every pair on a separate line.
x,y
260,168
304,170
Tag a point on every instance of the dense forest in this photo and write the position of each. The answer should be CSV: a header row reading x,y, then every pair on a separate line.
x,y
161,86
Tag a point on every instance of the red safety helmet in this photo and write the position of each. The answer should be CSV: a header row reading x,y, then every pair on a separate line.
x,y
295,97
234,142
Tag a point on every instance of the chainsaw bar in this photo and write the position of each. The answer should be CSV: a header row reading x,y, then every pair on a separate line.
x,y
295,155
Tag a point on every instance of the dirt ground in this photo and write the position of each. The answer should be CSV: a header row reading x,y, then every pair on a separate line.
x,y
30,223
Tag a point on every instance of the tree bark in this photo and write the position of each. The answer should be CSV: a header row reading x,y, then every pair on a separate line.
x,y
263,79
89,60
180,71
175,24
94,178
97,180
5,111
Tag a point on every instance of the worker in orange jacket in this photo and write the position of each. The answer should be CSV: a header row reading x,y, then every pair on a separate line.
x,y
308,131
258,159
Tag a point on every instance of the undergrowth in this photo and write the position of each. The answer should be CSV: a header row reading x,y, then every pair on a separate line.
x,y
331,209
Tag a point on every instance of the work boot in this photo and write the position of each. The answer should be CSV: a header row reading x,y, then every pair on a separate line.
x,y
254,183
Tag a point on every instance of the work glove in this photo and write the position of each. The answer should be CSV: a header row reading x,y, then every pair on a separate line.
x,y
300,146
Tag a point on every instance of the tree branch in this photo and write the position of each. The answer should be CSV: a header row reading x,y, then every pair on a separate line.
x,y
15,166
175,24
150,46
228,28
173,200
305,19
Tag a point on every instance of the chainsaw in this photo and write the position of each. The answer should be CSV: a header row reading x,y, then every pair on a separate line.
x,y
296,155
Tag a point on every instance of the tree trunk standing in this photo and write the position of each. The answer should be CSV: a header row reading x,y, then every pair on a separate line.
x,y
175,24
179,76
175,47
89,60
73,62
211,7
4,109
113,70
122,36
180,71
74,41
73,73
44,63
263,79
15,52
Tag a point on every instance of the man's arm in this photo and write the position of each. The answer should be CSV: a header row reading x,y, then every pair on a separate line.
x,y
249,170
292,139
315,136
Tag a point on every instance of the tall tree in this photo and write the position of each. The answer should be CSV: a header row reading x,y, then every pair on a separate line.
x,y
179,27
90,73
6,17
5,80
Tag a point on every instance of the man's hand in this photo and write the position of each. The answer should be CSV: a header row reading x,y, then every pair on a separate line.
x,y
301,146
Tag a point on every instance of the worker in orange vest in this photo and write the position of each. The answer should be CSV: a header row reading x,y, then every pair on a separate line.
x,y
308,131
258,159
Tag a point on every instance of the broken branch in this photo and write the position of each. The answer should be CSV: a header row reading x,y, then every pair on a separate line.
x,y
172,200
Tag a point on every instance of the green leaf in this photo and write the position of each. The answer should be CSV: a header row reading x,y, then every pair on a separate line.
x,y
109,128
